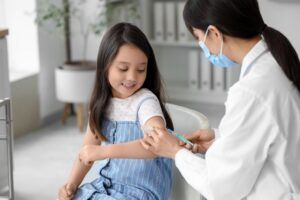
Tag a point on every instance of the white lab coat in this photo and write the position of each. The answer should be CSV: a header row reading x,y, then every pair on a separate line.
x,y
257,153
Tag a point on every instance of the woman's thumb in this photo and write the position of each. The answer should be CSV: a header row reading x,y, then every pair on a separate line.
x,y
192,136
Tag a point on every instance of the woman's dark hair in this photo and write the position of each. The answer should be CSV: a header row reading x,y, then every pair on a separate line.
x,y
242,19
118,35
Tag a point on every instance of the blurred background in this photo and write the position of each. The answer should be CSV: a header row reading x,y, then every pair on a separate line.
x,y
48,50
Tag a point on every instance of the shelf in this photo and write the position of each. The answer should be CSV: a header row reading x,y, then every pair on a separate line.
x,y
3,33
175,43
177,93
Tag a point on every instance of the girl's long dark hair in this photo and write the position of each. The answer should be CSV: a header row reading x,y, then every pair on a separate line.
x,y
242,19
114,38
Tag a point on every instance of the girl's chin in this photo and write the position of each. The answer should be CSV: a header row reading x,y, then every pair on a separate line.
x,y
125,93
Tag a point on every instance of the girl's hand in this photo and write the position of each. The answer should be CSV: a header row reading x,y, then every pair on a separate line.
x,y
67,191
161,143
89,153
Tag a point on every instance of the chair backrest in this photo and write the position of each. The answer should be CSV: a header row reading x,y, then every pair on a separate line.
x,y
185,120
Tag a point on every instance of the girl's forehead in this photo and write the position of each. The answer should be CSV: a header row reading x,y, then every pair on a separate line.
x,y
130,52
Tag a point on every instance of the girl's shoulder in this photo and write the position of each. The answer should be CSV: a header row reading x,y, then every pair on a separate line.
x,y
126,109
143,93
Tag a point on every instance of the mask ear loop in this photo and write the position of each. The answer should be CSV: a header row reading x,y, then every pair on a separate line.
x,y
221,51
206,32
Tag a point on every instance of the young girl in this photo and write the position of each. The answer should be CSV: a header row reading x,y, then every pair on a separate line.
x,y
127,95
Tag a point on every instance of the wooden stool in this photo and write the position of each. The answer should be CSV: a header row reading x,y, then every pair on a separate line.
x,y
80,115
74,86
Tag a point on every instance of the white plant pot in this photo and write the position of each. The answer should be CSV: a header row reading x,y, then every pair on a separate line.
x,y
74,86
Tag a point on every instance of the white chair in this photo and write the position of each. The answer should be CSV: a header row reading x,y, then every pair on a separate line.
x,y
185,120
74,86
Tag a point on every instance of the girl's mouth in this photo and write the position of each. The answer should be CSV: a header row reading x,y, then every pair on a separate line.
x,y
129,85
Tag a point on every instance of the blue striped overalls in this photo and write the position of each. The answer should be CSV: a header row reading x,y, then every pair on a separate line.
x,y
128,179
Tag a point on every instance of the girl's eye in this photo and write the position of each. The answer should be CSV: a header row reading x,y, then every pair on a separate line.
x,y
123,69
141,70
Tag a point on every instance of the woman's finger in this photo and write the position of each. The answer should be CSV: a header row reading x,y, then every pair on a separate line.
x,y
155,136
195,148
145,144
189,146
160,131
149,140
181,143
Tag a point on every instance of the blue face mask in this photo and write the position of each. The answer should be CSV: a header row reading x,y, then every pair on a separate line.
x,y
217,60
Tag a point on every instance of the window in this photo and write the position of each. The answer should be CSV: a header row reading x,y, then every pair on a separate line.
x,y
18,16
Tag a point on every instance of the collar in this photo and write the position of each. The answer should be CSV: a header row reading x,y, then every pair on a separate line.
x,y
259,49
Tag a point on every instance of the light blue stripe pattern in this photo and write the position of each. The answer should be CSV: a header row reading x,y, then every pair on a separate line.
x,y
130,179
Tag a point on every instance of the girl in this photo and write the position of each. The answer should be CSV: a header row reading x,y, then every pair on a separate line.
x,y
127,94
255,152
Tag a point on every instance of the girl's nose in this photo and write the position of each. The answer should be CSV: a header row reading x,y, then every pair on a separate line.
x,y
131,75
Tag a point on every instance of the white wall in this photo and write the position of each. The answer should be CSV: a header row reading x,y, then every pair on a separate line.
x,y
2,15
25,99
22,39
51,55
88,14
283,16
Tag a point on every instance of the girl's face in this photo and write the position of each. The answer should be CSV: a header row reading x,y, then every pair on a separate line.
x,y
128,71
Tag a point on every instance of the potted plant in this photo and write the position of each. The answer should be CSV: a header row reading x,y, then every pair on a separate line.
x,y
109,12
81,71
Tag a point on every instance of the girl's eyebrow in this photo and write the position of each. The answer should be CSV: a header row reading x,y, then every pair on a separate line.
x,y
143,63
127,63
122,62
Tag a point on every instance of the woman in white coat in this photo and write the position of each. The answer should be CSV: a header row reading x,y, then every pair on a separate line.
x,y
255,152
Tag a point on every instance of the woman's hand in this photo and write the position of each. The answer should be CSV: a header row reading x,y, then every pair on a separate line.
x,y
89,154
202,140
67,191
161,143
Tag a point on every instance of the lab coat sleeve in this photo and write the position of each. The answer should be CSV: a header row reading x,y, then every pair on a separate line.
x,y
193,169
234,161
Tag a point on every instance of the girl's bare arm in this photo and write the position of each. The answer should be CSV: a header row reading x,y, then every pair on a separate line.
x,y
79,169
133,149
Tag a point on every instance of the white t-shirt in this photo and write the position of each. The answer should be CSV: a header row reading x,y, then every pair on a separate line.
x,y
141,106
